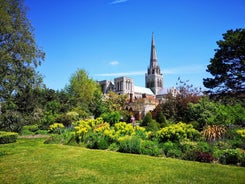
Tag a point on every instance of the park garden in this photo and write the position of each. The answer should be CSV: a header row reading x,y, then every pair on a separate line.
x,y
67,135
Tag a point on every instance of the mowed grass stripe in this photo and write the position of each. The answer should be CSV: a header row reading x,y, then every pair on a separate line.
x,y
31,161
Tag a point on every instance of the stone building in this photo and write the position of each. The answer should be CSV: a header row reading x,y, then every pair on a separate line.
x,y
141,99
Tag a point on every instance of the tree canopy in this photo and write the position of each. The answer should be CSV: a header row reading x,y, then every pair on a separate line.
x,y
19,57
228,64
19,53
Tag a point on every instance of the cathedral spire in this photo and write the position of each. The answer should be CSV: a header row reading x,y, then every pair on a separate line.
x,y
153,77
153,59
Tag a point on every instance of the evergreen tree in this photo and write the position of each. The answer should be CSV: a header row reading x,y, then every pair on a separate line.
x,y
228,64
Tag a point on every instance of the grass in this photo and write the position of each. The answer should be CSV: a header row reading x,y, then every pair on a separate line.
x,y
31,161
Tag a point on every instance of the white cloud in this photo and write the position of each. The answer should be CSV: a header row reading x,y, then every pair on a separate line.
x,y
118,1
193,69
122,74
114,63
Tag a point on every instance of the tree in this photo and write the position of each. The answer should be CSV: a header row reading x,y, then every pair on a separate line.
x,y
175,107
83,91
228,64
19,57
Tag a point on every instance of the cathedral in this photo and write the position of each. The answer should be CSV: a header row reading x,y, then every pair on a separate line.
x,y
125,85
142,99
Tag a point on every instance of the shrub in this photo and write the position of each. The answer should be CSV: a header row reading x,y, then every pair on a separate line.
x,y
153,126
196,151
8,137
177,132
214,132
130,144
113,147
150,148
112,117
171,149
204,157
228,156
123,128
56,128
29,129
96,141
241,133
147,119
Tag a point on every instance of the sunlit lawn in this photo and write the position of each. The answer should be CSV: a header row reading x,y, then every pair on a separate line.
x,y
31,161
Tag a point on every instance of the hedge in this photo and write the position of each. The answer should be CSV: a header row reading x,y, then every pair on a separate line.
x,y
8,137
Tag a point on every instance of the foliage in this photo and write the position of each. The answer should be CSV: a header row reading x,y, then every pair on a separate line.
x,y
177,132
29,129
150,148
229,156
228,64
83,90
56,128
208,112
147,119
11,120
153,126
176,105
19,56
161,119
112,117
130,144
8,137
214,132
241,132
171,149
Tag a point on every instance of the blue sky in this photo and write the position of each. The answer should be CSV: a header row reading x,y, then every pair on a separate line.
x,y
111,38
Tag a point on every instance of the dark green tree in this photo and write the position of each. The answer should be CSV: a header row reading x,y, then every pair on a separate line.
x,y
19,57
228,64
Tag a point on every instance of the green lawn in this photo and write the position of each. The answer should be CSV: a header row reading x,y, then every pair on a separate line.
x,y
31,161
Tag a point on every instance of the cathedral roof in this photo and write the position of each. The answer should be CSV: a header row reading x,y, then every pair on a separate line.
x,y
143,90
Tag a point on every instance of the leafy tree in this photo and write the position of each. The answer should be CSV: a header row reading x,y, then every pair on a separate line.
x,y
83,90
208,112
175,107
19,57
228,64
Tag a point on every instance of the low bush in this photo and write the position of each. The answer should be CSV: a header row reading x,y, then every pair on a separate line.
x,y
204,157
8,137
228,156
177,132
171,149
29,129
150,148
96,141
130,144
56,128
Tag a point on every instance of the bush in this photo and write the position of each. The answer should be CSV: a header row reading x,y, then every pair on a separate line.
x,y
56,128
197,151
228,156
177,132
130,144
8,137
171,149
112,117
153,126
147,119
150,148
29,129
204,157
96,141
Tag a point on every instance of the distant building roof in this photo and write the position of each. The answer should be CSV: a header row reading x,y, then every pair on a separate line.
x,y
143,90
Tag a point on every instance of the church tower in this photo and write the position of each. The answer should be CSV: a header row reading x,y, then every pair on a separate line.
x,y
153,77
